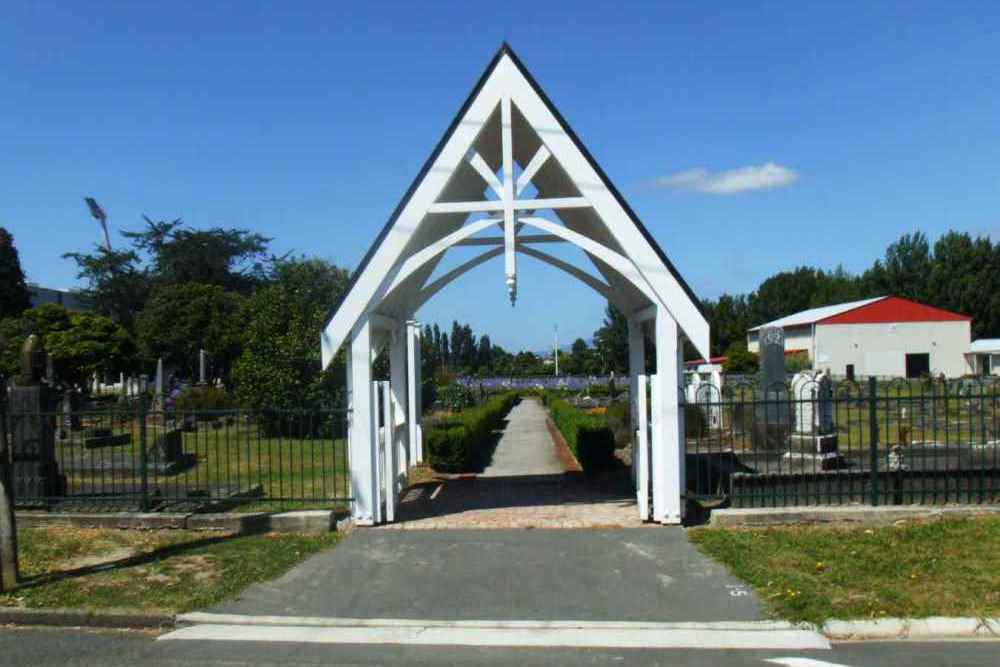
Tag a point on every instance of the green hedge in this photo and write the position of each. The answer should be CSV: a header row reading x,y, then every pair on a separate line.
x,y
588,436
461,442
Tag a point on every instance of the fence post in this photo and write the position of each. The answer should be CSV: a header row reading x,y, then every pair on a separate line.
x,y
8,525
141,415
873,438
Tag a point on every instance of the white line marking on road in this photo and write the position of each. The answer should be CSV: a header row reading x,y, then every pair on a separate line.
x,y
803,662
437,491
201,617
525,636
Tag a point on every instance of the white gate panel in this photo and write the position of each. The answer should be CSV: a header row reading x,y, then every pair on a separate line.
x,y
640,447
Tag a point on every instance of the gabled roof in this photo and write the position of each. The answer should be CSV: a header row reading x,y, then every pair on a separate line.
x,y
882,309
814,315
404,231
894,309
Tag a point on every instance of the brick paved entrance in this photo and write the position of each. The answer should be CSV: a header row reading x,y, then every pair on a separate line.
x,y
525,486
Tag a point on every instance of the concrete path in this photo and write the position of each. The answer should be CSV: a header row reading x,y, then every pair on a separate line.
x,y
566,575
526,485
525,448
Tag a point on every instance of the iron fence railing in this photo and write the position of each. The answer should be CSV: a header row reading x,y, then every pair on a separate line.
x,y
143,460
874,442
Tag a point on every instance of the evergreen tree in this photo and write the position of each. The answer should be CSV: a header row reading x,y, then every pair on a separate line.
x,y
14,295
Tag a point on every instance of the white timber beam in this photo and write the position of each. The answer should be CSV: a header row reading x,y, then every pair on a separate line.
x,y
527,238
413,353
507,141
667,460
524,180
645,314
479,164
492,205
418,259
362,430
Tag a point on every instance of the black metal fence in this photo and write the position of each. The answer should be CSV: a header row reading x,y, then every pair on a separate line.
x,y
820,443
135,459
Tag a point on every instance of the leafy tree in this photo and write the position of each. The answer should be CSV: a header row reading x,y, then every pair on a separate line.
x,y
740,360
117,285
14,295
579,355
906,269
79,343
179,320
280,365
234,259
612,339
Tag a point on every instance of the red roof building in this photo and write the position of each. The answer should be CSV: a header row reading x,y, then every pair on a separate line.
x,y
886,336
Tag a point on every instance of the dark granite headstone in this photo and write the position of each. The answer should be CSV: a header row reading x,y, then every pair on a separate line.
x,y
772,421
33,431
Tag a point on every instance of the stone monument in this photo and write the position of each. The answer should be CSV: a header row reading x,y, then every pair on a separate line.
x,y
36,471
815,434
772,421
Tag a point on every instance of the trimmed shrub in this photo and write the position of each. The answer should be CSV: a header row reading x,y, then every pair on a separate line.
x,y
588,435
197,399
462,442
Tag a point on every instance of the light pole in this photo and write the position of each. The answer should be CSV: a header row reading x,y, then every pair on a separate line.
x,y
555,347
101,217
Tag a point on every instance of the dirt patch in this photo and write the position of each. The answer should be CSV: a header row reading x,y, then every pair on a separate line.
x,y
116,554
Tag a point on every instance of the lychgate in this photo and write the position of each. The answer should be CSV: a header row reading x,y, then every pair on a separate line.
x,y
509,176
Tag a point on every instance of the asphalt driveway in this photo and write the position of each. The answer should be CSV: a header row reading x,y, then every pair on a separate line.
x,y
644,574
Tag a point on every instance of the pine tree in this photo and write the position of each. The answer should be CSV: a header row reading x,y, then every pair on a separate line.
x,y
14,295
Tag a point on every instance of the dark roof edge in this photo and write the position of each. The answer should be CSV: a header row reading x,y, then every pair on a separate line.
x,y
504,48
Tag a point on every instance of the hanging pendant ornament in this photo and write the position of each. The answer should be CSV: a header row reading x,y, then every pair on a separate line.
x,y
512,289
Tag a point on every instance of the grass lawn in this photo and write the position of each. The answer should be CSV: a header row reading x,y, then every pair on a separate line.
x,y
291,472
162,571
935,568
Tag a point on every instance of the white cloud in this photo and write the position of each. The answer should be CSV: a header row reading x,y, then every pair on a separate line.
x,y
732,181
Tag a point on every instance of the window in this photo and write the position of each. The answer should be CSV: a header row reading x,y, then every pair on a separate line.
x,y
850,372
918,365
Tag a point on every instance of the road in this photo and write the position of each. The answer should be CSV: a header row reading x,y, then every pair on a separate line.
x,y
71,647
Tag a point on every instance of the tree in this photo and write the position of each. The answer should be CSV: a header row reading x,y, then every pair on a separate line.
x,y
79,343
14,295
612,339
180,320
280,366
234,259
740,360
579,354
117,286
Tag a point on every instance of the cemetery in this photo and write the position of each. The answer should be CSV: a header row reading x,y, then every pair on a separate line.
x,y
155,456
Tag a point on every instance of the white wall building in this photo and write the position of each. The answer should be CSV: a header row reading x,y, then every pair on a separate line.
x,y
984,356
885,336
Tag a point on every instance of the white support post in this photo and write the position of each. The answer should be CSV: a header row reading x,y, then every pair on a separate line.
x,y
362,437
400,400
667,460
640,453
507,141
388,452
412,388
636,367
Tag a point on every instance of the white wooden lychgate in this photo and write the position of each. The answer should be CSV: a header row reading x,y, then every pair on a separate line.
x,y
471,186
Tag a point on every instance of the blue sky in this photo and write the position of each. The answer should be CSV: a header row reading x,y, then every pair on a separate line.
x,y
749,139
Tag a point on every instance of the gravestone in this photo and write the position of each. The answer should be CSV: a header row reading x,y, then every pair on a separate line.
x,y
815,434
33,428
772,421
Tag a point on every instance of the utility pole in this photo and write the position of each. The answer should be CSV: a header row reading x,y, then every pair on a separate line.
x,y
555,348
